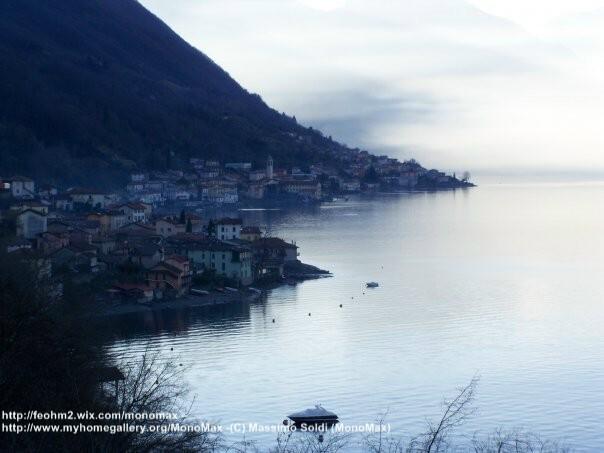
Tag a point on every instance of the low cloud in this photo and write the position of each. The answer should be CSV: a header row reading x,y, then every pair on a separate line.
x,y
465,89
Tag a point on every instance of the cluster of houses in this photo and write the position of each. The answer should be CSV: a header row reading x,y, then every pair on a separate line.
x,y
89,234
211,182
367,172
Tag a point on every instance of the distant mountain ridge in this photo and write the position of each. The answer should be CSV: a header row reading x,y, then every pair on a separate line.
x,y
91,89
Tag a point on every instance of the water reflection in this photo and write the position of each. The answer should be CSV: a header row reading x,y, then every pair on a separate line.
x,y
504,281
179,321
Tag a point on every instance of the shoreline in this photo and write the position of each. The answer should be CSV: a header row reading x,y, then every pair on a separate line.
x,y
276,204
298,273
188,301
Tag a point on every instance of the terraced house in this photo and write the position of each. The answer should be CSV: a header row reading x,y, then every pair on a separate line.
x,y
226,259
227,229
172,274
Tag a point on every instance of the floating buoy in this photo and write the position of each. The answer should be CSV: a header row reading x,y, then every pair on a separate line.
x,y
309,314
171,349
285,422
340,305
273,320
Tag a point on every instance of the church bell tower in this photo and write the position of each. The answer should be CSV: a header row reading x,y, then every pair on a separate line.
x,y
269,168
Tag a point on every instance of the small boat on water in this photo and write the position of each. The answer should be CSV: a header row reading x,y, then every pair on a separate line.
x,y
372,284
314,416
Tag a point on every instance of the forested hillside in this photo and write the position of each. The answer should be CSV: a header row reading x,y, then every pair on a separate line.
x,y
90,89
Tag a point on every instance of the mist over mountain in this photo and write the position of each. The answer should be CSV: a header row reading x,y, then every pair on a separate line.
x,y
456,84
91,89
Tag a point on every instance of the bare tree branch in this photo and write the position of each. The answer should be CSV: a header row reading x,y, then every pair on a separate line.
x,y
456,412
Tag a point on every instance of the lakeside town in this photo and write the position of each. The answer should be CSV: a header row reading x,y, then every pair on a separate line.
x,y
155,239
209,182
190,261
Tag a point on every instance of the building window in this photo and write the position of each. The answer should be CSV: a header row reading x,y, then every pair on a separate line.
x,y
223,267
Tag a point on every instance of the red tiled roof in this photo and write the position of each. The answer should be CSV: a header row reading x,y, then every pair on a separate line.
x,y
163,266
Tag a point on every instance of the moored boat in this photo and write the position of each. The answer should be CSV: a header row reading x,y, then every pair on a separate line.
x,y
314,416
372,284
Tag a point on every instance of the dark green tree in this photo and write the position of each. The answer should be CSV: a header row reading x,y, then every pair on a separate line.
x,y
52,357
211,228
371,175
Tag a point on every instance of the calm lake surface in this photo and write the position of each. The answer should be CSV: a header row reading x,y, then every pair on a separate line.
x,y
506,281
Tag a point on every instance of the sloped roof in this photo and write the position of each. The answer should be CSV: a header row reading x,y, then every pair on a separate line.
x,y
272,243
178,258
167,267
31,210
215,246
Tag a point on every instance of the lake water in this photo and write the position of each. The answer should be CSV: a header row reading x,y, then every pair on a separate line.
x,y
504,281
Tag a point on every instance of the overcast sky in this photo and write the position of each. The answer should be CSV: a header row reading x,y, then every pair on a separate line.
x,y
484,85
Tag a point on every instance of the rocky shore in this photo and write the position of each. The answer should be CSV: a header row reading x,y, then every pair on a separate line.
x,y
299,271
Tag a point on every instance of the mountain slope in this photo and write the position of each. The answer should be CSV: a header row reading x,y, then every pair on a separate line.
x,y
92,88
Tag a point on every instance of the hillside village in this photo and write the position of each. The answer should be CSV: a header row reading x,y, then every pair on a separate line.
x,y
151,240
209,182
212,183
131,253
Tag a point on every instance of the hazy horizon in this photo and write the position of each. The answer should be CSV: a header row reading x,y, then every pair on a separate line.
x,y
459,85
